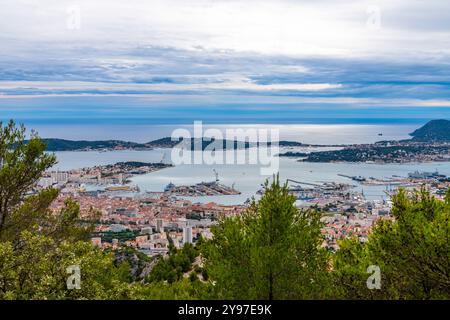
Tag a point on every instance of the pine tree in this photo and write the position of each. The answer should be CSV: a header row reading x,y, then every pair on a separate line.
x,y
21,165
412,252
272,251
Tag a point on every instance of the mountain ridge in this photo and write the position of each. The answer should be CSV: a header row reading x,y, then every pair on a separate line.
x,y
434,130
56,144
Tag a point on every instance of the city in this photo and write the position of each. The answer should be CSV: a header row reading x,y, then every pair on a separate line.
x,y
146,220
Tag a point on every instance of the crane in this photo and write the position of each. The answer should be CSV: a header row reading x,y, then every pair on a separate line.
x,y
216,174
163,158
306,183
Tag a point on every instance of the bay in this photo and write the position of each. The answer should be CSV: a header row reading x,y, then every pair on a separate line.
x,y
247,178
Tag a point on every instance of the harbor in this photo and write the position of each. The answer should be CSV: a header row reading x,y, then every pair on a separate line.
x,y
202,189
247,178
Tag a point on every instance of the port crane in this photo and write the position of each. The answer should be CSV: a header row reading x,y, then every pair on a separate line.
x,y
305,183
216,174
163,158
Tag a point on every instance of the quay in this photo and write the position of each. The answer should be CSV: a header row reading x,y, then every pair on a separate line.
x,y
201,189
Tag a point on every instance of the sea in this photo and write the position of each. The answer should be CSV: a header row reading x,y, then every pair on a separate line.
x,y
248,178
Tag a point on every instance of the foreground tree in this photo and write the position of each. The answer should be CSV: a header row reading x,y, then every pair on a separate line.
x,y
173,267
39,270
38,245
412,252
21,165
272,251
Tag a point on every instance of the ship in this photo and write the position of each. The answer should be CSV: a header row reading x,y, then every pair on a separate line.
x,y
425,175
169,187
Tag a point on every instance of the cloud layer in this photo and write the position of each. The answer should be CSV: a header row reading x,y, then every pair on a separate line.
x,y
248,58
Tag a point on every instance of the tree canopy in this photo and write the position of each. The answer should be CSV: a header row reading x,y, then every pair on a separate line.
x,y
412,251
272,251
21,165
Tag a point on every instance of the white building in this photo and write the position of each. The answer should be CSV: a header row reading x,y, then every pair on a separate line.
x,y
59,177
187,234
147,230
45,182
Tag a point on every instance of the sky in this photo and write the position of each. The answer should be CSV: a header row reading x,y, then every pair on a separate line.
x,y
176,61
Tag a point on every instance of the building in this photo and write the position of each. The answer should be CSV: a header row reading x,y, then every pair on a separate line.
x,y
141,240
97,241
187,234
147,230
59,177
159,225
117,228
45,182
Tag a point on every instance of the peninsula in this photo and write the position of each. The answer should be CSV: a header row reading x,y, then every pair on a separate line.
x,y
55,144
431,142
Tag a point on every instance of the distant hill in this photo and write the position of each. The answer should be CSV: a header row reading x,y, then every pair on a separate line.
x,y
54,144
165,142
70,145
77,145
434,130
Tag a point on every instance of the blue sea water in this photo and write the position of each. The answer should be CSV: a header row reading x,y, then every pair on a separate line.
x,y
247,177
306,132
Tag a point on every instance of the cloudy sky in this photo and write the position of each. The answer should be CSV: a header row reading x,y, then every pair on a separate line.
x,y
224,60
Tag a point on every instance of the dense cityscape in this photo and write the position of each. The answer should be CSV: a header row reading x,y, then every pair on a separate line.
x,y
145,220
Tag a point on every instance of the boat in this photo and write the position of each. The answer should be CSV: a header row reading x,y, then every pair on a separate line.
x,y
169,187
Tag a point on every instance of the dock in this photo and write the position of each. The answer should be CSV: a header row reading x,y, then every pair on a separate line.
x,y
213,188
